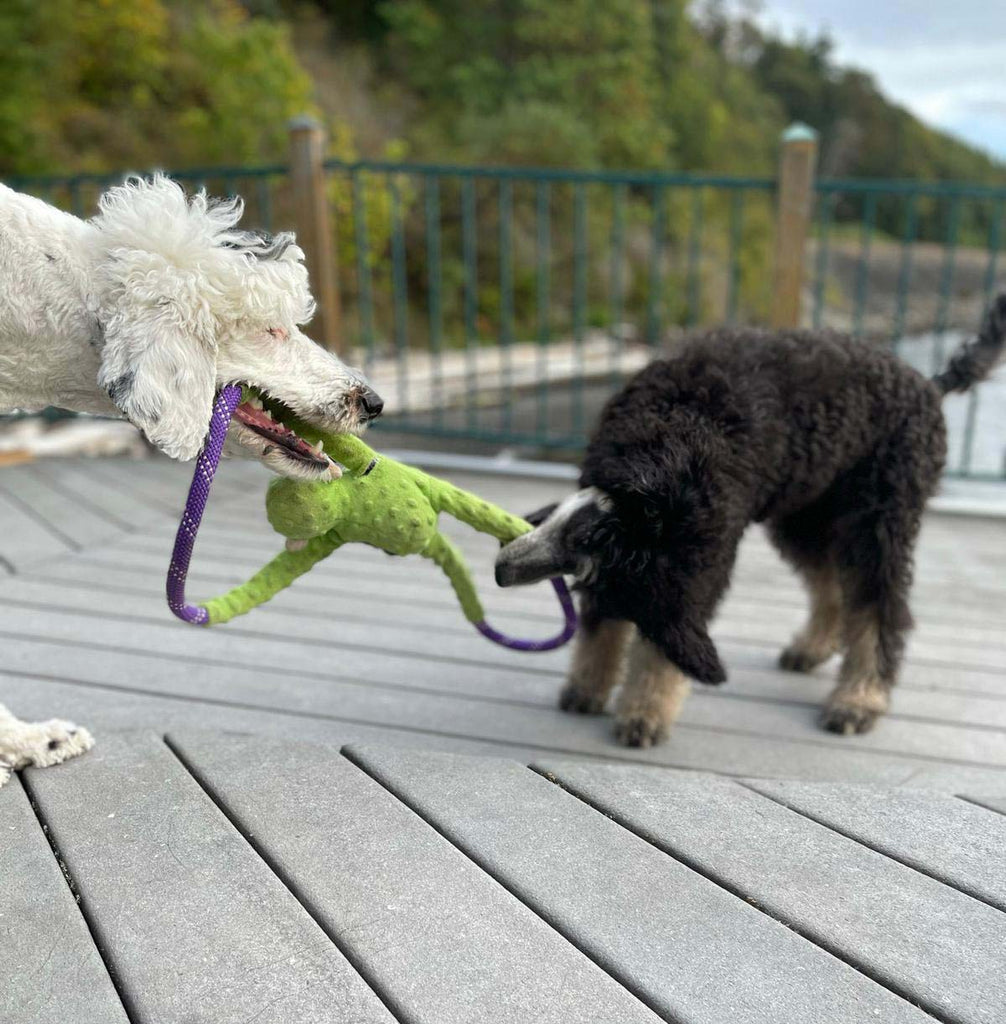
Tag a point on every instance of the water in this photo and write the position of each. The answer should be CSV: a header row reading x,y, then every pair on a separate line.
x,y
986,405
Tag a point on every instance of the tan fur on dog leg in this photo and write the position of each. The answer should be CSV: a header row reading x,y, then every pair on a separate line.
x,y
651,698
861,696
821,637
597,668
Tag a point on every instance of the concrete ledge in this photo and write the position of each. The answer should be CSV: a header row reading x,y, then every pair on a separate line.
x,y
981,498
978,498
500,465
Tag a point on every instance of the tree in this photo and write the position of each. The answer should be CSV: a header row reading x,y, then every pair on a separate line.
x,y
107,84
532,81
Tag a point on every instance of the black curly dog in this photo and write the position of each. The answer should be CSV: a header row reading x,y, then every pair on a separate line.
x,y
834,444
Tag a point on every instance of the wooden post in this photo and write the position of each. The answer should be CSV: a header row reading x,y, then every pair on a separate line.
x,y
313,220
793,214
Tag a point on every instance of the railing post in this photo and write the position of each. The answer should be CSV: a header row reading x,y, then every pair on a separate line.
x,y
793,213
314,223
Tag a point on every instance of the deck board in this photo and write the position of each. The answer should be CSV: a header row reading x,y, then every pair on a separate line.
x,y
253,872
465,889
378,642
899,926
49,964
993,803
80,526
442,940
168,881
28,537
956,842
629,905
364,644
911,700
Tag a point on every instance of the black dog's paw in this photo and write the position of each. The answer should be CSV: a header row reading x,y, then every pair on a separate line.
x,y
855,706
848,719
799,659
640,731
580,701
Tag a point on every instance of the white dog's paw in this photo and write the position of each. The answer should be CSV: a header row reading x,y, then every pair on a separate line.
x,y
40,744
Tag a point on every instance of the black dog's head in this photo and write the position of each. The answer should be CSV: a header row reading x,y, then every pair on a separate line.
x,y
567,541
622,554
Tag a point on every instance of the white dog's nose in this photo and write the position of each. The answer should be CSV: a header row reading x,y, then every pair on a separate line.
x,y
371,404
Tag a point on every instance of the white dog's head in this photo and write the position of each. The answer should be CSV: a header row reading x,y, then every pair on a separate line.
x,y
188,302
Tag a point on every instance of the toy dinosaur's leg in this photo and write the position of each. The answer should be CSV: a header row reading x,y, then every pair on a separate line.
x,y
450,559
271,579
478,513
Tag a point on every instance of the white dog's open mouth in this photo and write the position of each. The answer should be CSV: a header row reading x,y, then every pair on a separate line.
x,y
276,443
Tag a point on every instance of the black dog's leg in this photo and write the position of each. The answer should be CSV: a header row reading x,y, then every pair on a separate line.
x,y
869,671
804,540
651,699
821,637
598,660
874,551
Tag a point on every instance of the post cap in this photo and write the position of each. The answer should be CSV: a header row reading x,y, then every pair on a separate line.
x,y
799,132
303,122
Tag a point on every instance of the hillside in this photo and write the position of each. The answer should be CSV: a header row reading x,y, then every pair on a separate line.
x,y
624,83
92,85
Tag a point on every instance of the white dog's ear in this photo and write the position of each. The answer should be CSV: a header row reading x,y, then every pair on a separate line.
x,y
162,375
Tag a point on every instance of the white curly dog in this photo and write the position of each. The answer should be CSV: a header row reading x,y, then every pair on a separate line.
x,y
144,311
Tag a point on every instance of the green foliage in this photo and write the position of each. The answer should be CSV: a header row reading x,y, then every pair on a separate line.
x,y
863,135
103,84
93,85
531,81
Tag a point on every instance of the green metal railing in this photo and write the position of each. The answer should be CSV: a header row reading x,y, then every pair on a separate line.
x,y
533,293
258,186
504,305
941,243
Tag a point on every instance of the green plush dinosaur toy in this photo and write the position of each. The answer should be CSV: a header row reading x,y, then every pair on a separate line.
x,y
385,504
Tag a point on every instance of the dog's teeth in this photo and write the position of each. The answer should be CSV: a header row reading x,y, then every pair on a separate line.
x,y
320,447
256,403
334,471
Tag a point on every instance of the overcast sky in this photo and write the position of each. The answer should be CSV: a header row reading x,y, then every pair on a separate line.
x,y
943,59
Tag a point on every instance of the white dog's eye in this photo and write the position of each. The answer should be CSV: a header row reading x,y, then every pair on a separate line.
x,y
281,333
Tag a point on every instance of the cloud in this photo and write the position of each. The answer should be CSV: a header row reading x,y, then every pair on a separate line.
x,y
944,62
988,106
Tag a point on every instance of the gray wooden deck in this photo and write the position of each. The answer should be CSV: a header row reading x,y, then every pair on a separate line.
x,y
293,817
372,649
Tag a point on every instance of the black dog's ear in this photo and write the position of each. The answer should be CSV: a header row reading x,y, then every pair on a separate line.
x,y
539,516
690,647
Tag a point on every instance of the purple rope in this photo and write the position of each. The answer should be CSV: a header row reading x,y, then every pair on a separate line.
x,y
199,491
562,592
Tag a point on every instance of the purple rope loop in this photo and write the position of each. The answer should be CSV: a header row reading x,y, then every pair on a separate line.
x,y
550,644
199,491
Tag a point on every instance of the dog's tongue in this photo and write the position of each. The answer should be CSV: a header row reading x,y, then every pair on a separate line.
x,y
258,418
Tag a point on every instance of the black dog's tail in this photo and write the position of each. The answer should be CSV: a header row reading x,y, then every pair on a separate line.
x,y
976,359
